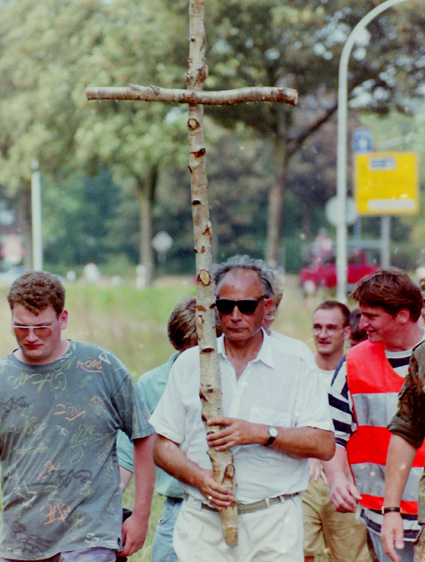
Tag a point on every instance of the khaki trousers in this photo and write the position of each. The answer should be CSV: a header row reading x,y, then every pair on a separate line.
x,y
274,534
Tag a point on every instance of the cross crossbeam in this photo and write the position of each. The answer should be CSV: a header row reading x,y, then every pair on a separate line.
x,y
192,97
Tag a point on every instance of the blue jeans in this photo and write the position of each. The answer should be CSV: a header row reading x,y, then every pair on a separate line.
x,y
89,555
162,546
406,554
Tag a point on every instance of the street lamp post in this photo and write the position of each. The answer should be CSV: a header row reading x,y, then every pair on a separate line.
x,y
341,191
37,244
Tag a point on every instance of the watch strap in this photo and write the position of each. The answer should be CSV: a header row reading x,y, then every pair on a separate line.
x,y
390,510
272,436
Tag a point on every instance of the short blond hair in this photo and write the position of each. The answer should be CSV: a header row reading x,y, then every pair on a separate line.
x,y
181,326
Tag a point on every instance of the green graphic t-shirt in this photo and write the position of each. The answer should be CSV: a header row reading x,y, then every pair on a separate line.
x,y
58,425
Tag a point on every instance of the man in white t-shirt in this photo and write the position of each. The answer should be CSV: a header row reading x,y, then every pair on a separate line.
x,y
341,533
275,418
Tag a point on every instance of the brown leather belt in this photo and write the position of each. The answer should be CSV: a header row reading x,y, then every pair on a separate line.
x,y
254,506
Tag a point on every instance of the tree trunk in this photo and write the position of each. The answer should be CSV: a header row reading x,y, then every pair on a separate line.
x,y
277,192
275,207
146,196
210,389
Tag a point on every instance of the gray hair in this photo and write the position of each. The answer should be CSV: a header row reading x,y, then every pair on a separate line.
x,y
269,279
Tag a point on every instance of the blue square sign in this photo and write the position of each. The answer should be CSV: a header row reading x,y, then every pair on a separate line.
x,y
362,140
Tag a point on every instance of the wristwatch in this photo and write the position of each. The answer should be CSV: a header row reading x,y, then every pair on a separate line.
x,y
273,433
385,510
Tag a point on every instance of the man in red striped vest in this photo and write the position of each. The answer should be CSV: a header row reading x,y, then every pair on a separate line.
x,y
363,399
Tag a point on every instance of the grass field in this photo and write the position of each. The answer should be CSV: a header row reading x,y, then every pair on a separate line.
x,y
132,324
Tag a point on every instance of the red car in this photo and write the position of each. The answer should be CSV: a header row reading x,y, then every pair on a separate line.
x,y
322,271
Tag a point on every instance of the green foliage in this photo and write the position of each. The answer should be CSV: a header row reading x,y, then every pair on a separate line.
x,y
51,51
299,45
77,214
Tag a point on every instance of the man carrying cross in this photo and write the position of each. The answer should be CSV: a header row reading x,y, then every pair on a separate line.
x,y
275,417
196,98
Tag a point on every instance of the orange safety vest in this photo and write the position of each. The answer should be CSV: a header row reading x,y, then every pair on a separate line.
x,y
374,387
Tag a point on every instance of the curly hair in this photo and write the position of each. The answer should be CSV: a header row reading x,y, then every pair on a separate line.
x,y
36,291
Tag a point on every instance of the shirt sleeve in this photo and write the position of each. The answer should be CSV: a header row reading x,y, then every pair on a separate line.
x,y
169,417
341,405
313,400
125,451
132,410
409,420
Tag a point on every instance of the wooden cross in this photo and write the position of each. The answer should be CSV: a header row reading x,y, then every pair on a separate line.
x,y
196,98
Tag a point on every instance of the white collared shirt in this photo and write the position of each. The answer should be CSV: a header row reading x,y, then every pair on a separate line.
x,y
280,387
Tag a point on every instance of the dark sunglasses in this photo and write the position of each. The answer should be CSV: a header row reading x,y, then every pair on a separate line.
x,y
226,306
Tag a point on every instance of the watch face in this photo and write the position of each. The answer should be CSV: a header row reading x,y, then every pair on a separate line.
x,y
273,432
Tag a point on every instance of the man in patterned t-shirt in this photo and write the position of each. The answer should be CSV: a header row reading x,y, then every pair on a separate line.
x,y
61,407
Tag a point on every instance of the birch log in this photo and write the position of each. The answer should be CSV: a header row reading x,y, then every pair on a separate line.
x,y
170,95
210,389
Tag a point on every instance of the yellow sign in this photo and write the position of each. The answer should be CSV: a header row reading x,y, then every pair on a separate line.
x,y
386,183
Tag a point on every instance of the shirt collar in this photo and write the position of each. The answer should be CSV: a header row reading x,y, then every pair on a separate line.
x,y
171,360
265,354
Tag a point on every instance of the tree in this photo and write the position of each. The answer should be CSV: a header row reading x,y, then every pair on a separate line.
x,y
298,44
77,213
49,52
38,69
136,141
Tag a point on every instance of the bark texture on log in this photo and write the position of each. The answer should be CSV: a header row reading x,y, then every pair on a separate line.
x,y
193,97
210,390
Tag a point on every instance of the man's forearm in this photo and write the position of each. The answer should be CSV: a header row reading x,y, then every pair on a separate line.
x,y
337,465
170,458
399,462
144,475
135,528
344,494
306,442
